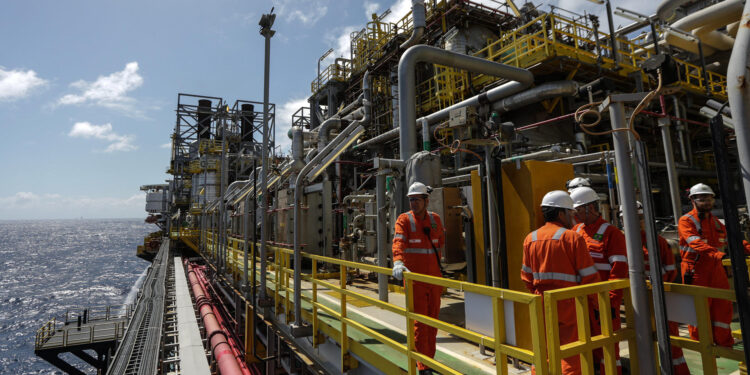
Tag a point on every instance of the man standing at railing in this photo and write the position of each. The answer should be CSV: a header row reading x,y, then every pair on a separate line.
x,y
606,245
702,241
668,274
418,236
555,257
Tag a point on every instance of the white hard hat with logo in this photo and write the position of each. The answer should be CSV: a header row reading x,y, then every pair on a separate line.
x,y
583,195
557,198
578,182
701,188
418,188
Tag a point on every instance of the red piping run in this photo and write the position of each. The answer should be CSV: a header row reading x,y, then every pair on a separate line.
x,y
226,356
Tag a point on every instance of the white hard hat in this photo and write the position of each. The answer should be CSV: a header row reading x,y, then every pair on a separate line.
x,y
418,188
583,195
701,188
578,182
639,207
557,198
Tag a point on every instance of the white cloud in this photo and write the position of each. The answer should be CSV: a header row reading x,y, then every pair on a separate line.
x,y
284,121
398,10
370,8
306,11
107,91
17,84
340,38
29,205
167,145
104,132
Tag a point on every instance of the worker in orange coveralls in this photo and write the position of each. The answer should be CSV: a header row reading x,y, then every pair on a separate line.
x,y
417,239
668,274
702,241
555,257
606,245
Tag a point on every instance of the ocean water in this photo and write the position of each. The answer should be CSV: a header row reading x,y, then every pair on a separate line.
x,y
49,266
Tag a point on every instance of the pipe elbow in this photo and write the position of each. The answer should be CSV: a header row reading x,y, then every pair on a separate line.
x,y
419,17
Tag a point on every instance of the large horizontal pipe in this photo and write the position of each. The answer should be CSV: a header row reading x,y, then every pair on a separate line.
x,y
537,94
407,85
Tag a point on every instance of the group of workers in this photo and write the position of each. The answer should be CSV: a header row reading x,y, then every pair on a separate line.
x,y
560,254
575,246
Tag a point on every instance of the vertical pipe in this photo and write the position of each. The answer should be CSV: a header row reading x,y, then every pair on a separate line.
x,y
639,293
657,284
222,193
738,88
674,184
612,38
732,220
492,217
680,130
382,233
611,188
267,34
485,225
502,245
245,238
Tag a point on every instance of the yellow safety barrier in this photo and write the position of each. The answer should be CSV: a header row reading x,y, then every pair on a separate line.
x,y
283,290
705,346
586,344
544,327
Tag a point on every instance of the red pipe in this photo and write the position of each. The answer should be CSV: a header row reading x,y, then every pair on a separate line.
x,y
222,318
220,348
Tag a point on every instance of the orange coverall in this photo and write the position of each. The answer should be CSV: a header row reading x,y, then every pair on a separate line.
x,y
668,273
701,242
606,244
554,258
412,246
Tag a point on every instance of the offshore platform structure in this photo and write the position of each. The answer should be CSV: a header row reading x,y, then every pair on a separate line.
x,y
493,107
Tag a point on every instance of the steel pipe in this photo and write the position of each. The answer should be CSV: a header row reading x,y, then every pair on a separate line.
x,y
418,14
738,88
634,247
672,177
407,84
381,204
537,94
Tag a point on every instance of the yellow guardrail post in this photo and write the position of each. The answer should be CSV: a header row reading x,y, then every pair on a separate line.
x,y
316,339
344,335
287,302
410,344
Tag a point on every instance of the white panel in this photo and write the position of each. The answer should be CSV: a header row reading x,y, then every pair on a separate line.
x,y
478,311
680,308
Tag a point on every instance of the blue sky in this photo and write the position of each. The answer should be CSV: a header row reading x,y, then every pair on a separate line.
x,y
88,88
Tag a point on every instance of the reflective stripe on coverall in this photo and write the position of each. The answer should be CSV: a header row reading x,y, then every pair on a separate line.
x,y
700,245
606,244
668,274
411,246
554,258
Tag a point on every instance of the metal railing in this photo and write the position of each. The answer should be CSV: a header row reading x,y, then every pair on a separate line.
x,y
551,35
544,316
98,319
586,344
609,337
